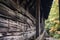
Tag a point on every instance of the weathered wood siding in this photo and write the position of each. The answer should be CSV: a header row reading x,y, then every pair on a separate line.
x,y
15,21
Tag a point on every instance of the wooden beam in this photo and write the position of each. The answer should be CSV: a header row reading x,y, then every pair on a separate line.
x,y
38,18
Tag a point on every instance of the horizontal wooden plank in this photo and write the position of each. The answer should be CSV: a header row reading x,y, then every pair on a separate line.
x,y
10,13
8,25
19,9
3,30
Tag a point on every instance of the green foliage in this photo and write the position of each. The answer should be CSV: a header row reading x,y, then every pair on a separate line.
x,y
52,23
56,35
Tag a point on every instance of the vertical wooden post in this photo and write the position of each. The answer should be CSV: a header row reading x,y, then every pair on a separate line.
x,y
38,18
